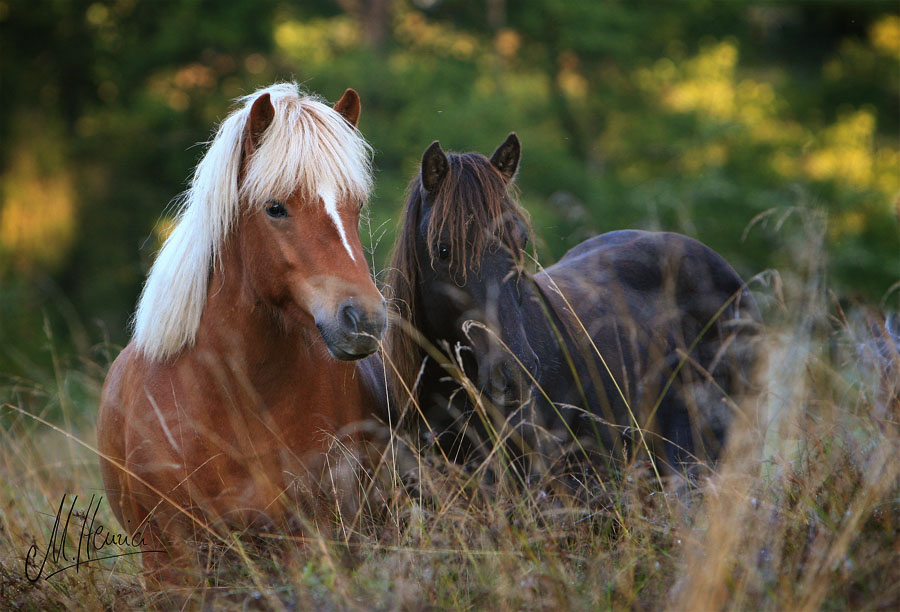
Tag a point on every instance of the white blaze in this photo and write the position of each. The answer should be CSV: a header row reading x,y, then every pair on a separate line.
x,y
330,201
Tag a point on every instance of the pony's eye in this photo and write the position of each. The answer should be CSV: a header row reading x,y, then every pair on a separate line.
x,y
443,251
276,210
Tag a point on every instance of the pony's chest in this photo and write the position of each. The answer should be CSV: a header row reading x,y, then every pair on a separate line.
x,y
237,448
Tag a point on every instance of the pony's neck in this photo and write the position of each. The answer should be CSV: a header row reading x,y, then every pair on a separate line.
x,y
544,328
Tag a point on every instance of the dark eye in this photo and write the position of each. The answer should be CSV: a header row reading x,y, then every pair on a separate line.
x,y
276,210
443,251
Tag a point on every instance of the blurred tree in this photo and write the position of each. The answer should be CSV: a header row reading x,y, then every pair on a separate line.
x,y
696,116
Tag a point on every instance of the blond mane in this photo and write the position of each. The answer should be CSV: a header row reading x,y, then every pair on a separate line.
x,y
308,147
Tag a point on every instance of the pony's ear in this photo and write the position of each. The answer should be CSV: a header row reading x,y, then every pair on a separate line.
x,y
506,157
261,115
434,167
348,106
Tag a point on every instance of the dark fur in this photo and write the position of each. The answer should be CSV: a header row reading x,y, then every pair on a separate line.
x,y
673,322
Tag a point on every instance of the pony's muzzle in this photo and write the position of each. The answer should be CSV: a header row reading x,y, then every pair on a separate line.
x,y
353,331
507,383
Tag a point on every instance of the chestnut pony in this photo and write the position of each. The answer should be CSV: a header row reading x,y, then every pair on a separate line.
x,y
242,366
637,338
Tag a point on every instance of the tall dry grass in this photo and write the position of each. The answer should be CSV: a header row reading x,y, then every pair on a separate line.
x,y
802,514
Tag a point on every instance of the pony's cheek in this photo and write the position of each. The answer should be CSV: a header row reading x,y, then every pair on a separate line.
x,y
276,268
454,295
288,257
301,296
295,278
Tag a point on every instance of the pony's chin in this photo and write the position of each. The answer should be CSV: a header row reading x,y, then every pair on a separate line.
x,y
343,355
347,347
508,403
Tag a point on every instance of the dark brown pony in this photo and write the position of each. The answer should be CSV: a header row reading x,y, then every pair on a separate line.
x,y
241,371
633,336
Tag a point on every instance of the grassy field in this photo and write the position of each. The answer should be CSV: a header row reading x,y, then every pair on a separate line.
x,y
803,513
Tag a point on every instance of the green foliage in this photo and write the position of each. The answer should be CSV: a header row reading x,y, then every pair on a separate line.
x,y
696,117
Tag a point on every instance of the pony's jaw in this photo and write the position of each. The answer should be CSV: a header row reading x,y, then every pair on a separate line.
x,y
509,402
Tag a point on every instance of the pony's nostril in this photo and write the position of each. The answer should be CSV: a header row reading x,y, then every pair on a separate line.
x,y
534,367
379,319
501,378
349,317
507,377
506,384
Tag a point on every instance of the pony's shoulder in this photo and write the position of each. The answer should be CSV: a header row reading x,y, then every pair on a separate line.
x,y
116,378
129,380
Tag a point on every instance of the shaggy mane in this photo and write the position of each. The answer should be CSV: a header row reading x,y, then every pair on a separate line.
x,y
307,147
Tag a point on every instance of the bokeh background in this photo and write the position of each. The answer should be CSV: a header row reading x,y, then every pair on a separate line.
x,y
727,121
